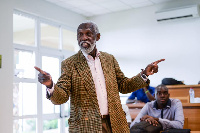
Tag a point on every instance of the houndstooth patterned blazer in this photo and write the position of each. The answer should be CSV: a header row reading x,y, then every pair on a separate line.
x,y
76,82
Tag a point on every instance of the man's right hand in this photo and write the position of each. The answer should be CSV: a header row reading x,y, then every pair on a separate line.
x,y
44,78
145,117
150,119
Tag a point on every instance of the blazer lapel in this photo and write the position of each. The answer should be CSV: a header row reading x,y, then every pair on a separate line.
x,y
85,73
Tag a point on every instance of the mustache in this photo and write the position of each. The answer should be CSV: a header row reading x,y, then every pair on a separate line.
x,y
85,42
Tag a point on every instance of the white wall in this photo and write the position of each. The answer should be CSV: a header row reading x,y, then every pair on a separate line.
x,y
6,72
136,39
35,7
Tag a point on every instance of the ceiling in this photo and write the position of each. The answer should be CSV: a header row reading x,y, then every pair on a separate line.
x,y
89,8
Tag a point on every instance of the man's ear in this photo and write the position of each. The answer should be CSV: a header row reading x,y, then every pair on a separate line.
x,y
98,36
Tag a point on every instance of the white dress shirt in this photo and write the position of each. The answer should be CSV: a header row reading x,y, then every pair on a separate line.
x,y
126,110
99,81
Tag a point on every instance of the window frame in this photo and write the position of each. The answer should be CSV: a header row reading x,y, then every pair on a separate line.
x,y
39,52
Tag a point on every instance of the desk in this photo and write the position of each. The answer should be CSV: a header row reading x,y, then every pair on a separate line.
x,y
190,110
182,92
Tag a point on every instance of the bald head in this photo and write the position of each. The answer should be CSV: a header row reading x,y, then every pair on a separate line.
x,y
163,87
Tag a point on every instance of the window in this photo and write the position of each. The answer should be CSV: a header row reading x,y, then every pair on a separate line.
x,y
50,65
24,62
69,39
23,102
49,36
42,43
23,30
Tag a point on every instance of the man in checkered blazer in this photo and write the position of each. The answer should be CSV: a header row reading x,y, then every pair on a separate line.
x,y
93,80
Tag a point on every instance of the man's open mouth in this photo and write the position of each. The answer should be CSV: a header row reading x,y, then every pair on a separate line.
x,y
85,44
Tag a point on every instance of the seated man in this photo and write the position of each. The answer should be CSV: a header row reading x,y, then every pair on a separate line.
x,y
164,112
143,95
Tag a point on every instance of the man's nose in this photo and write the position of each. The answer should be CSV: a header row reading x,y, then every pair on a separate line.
x,y
84,37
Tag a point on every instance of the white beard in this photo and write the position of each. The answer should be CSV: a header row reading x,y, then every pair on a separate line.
x,y
87,50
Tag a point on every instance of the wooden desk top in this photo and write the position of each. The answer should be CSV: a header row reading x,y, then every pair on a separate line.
x,y
138,105
191,105
182,86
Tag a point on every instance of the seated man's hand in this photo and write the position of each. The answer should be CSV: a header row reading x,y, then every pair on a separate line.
x,y
152,121
145,117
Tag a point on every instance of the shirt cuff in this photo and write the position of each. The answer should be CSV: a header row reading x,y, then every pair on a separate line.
x,y
144,77
50,90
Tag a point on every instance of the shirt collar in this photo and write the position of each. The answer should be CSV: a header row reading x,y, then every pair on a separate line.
x,y
87,56
155,105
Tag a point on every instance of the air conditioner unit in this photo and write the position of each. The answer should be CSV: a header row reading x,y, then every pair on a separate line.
x,y
177,13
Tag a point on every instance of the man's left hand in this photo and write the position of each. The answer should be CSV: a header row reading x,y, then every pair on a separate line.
x,y
152,121
152,68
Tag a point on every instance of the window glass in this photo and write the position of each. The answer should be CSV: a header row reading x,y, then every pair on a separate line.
x,y
66,125
24,99
24,125
67,108
51,126
24,64
50,65
69,40
23,30
50,36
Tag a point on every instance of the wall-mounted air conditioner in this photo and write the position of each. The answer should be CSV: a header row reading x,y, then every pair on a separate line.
x,y
177,13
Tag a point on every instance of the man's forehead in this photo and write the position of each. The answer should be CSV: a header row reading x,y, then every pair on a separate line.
x,y
162,89
88,29
86,26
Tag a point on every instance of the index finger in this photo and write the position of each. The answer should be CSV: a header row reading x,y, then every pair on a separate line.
x,y
39,70
158,61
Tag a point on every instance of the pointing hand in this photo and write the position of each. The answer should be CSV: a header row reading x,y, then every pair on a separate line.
x,y
152,68
44,78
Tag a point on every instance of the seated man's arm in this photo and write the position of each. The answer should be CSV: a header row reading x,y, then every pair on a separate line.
x,y
142,113
131,98
150,93
130,101
179,118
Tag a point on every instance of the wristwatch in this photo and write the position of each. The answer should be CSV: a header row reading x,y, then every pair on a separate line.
x,y
144,76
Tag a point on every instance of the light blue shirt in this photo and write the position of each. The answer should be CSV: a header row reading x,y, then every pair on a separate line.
x,y
172,114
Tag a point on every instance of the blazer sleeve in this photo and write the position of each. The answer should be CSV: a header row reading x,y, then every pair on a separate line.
x,y
62,88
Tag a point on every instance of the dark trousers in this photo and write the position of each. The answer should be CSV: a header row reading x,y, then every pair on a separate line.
x,y
106,125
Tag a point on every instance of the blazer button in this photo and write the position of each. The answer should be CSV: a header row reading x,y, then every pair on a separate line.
x,y
86,118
